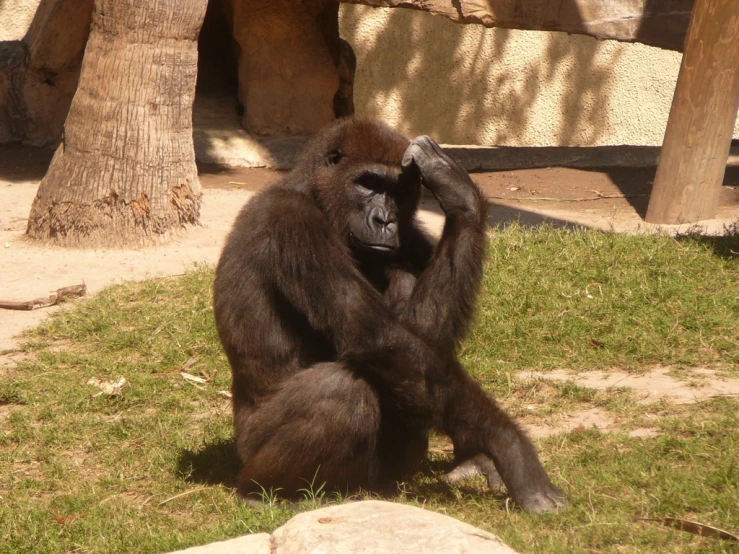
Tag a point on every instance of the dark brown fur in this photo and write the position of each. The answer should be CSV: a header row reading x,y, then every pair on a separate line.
x,y
343,355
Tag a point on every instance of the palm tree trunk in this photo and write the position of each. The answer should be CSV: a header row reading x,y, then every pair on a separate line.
x,y
125,170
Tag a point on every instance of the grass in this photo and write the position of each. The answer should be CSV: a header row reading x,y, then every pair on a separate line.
x,y
151,469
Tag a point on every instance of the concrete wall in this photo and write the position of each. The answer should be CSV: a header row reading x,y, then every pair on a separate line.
x,y
465,84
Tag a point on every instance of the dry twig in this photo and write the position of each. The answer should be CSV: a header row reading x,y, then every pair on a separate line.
x,y
693,527
176,496
64,293
556,199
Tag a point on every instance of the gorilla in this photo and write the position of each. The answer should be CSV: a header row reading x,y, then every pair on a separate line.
x,y
341,320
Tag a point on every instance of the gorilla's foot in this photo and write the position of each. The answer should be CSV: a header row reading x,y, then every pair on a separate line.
x,y
537,502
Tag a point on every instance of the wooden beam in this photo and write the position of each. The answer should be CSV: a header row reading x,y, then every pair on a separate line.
x,y
660,23
704,109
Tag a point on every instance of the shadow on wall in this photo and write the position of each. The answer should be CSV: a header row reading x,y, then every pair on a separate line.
x,y
425,74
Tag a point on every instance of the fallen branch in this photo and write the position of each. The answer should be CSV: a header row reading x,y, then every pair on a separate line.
x,y
64,293
699,529
191,491
554,199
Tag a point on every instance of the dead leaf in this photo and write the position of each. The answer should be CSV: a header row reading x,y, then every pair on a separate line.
x,y
65,520
110,388
596,343
692,527
193,378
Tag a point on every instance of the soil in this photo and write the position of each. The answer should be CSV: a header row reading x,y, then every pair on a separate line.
x,y
603,198
649,388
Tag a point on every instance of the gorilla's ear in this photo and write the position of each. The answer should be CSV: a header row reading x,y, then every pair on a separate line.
x,y
334,157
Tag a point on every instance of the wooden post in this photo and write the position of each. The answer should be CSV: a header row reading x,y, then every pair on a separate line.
x,y
698,135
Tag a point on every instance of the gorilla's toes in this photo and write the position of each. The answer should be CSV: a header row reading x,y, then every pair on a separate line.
x,y
540,502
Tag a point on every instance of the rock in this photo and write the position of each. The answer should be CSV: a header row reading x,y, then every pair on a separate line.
x,y
259,543
288,64
344,99
367,526
38,74
374,526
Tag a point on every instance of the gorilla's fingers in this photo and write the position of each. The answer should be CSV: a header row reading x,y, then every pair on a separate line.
x,y
408,162
445,178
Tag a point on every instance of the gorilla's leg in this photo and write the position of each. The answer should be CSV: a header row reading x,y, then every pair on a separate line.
x,y
320,427
477,425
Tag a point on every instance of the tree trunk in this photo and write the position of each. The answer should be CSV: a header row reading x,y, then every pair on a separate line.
x,y
693,159
125,170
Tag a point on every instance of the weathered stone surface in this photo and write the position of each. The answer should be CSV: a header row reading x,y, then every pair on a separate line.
x,y
219,138
288,64
376,526
259,543
368,526
662,23
344,99
38,74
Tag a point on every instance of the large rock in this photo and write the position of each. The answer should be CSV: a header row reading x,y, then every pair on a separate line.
x,y
368,526
288,64
38,74
259,543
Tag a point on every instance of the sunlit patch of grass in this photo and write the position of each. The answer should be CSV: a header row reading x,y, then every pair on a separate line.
x,y
556,298
151,467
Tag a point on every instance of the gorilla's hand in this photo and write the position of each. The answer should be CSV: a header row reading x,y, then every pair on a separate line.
x,y
451,184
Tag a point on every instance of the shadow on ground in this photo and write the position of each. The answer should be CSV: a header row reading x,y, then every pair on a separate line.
x,y
636,185
726,246
607,196
216,463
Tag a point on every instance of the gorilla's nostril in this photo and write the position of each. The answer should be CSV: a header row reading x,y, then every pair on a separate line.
x,y
379,221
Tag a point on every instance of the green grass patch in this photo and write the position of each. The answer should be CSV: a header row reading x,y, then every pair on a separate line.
x,y
151,468
555,298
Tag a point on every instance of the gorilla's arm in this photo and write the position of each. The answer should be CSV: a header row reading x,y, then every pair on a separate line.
x,y
442,303
304,262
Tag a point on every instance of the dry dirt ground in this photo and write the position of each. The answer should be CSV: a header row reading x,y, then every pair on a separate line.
x,y
603,198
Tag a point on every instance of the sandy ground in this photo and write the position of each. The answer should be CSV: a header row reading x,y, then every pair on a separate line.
x,y
611,198
649,388
28,271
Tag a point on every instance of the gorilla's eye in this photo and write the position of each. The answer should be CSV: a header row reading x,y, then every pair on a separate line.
x,y
334,157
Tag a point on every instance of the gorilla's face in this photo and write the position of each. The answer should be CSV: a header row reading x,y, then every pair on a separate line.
x,y
363,191
373,220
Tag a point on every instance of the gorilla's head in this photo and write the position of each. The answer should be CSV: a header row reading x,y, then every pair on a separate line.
x,y
354,175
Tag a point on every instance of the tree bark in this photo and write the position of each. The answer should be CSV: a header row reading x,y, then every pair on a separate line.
x,y
125,170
